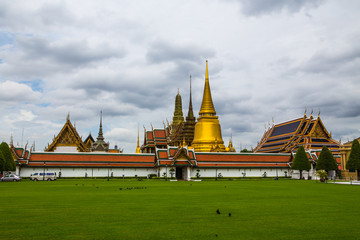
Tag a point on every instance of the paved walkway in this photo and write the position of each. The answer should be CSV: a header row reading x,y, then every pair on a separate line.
x,y
348,183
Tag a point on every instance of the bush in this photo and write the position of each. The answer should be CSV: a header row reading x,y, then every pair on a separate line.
x,y
322,174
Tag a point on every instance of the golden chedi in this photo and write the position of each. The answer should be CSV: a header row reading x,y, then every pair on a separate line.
x,y
207,135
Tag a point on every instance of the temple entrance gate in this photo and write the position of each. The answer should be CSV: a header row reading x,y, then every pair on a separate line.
x,y
179,173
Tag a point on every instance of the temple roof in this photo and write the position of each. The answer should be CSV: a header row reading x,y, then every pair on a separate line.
x,y
91,160
156,137
285,137
175,156
68,136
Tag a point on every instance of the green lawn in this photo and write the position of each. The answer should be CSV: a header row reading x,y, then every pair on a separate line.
x,y
155,209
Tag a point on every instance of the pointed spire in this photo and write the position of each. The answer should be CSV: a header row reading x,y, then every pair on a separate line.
x,y
207,106
100,135
68,117
11,140
190,112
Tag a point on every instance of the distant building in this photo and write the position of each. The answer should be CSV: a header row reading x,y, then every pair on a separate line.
x,y
345,153
68,140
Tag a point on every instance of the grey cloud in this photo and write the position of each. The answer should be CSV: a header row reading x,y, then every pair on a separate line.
x,y
260,7
332,61
72,53
161,51
54,14
124,90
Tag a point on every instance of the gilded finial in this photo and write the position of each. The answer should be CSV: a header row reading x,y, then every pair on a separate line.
x,y
305,111
312,112
68,117
138,145
319,112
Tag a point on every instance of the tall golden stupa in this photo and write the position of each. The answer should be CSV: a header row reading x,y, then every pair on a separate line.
x,y
207,137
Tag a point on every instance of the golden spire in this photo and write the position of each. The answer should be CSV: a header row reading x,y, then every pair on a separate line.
x,y
207,106
207,132
138,147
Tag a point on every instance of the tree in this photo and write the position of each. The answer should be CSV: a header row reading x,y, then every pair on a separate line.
x,y
9,164
2,162
326,160
246,151
353,162
301,161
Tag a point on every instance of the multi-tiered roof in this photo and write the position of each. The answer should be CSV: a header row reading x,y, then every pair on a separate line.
x,y
288,136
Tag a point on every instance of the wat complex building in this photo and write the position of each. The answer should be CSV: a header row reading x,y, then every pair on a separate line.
x,y
186,148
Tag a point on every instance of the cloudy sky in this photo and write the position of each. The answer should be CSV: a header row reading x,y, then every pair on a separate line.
x,y
267,59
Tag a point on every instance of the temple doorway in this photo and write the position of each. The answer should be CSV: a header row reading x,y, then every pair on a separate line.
x,y
179,173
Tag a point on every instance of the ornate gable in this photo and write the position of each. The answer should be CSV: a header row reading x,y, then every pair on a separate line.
x,y
318,130
88,142
68,136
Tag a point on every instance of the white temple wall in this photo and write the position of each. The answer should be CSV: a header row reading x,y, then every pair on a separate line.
x,y
143,172
91,172
240,172
229,172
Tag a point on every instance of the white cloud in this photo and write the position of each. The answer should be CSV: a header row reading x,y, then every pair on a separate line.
x,y
17,93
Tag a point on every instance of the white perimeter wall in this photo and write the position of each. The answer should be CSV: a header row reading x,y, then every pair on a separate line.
x,y
91,172
143,172
232,172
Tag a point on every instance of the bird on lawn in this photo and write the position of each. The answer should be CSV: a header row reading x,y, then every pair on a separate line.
x,y
218,211
229,214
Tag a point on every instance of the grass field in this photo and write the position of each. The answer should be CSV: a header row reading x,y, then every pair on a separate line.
x,y
155,209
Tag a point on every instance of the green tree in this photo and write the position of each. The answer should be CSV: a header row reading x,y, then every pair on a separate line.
x,y
326,161
9,164
354,157
2,162
301,161
246,151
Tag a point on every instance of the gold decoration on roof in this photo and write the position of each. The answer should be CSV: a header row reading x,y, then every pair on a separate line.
x,y
68,136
